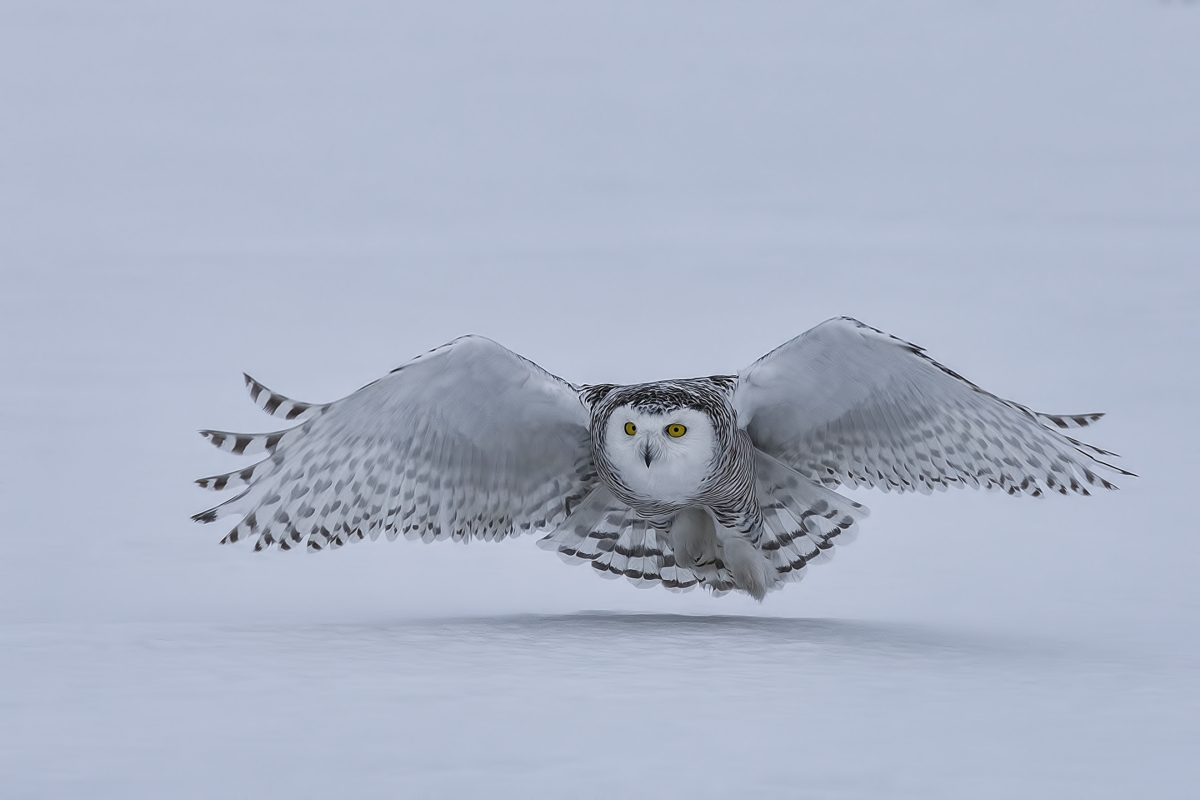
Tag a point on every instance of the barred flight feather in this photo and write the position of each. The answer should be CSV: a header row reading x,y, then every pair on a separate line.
x,y
277,405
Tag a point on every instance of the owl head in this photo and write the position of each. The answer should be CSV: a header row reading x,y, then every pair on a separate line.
x,y
662,439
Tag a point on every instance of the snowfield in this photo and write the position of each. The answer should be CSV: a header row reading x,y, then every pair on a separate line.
x,y
589,705
315,193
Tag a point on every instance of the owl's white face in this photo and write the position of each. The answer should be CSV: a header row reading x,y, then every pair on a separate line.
x,y
663,456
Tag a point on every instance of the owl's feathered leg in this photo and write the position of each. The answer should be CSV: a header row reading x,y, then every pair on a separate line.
x,y
693,539
752,571
703,546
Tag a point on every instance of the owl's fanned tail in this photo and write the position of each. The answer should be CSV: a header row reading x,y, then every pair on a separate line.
x,y
801,522
607,534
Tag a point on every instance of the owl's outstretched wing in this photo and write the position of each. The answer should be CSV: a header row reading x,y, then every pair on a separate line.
x,y
848,404
467,441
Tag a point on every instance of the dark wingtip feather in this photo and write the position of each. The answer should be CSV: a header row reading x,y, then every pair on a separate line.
x,y
214,482
277,405
1066,421
215,438
247,443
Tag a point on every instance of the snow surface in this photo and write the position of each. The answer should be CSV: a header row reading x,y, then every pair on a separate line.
x,y
314,193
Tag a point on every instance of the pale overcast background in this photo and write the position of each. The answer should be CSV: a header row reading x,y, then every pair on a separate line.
x,y
316,192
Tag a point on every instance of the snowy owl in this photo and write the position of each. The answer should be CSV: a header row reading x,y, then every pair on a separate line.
x,y
721,481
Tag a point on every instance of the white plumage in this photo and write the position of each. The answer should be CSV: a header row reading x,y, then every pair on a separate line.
x,y
720,481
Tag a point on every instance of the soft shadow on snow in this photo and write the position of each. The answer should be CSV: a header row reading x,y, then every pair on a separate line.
x,y
748,636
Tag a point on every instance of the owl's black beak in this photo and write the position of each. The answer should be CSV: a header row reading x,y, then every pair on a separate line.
x,y
647,454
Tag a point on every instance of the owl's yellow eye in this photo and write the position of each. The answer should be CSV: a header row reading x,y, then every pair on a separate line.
x,y
676,430
630,428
